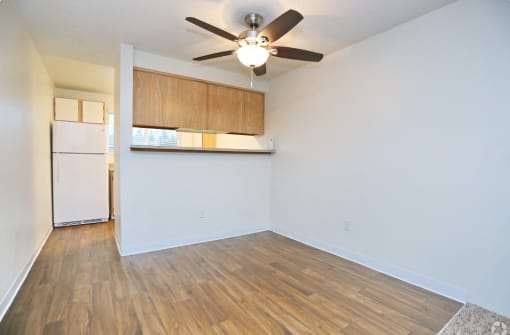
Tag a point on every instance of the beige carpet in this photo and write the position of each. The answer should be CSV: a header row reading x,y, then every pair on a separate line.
x,y
475,320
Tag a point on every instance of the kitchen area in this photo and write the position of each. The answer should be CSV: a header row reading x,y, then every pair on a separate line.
x,y
82,158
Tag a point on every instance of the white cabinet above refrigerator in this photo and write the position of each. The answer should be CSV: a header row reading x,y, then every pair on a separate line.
x,y
77,110
93,112
67,109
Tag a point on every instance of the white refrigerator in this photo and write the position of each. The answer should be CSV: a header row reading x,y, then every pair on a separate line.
x,y
80,173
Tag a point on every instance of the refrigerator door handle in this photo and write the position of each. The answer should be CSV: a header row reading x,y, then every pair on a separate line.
x,y
57,168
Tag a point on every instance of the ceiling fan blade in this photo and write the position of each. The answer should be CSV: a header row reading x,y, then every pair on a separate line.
x,y
212,29
215,55
261,70
281,25
298,54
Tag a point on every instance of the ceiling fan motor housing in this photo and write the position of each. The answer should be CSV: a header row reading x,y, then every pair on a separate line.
x,y
253,20
251,36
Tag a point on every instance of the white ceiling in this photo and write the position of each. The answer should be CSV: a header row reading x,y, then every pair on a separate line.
x,y
82,76
91,31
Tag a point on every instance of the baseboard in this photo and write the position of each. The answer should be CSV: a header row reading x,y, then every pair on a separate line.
x,y
139,249
7,300
444,289
429,284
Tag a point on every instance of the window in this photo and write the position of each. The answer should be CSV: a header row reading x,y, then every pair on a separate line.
x,y
111,128
191,139
155,137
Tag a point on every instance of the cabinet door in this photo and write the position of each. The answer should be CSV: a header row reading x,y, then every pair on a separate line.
x,y
93,112
67,109
225,109
186,105
148,95
163,101
254,113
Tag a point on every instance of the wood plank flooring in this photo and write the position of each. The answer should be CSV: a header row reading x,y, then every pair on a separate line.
x,y
255,284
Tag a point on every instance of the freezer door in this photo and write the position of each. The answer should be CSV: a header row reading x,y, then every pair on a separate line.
x,y
80,188
78,137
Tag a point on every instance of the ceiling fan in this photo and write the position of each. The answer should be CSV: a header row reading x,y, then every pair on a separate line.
x,y
255,45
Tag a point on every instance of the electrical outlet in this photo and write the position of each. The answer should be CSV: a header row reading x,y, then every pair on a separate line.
x,y
202,213
347,225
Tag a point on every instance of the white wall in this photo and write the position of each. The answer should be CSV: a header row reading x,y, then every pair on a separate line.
x,y
407,136
26,105
162,194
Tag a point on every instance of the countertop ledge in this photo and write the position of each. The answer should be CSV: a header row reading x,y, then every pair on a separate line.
x,y
200,150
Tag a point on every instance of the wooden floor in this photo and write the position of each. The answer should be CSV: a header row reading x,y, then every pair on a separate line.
x,y
255,284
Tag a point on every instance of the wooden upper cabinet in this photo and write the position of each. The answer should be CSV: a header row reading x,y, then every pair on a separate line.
x,y
235,110
254,112
188,98
166,101
147,100
162,101
225,109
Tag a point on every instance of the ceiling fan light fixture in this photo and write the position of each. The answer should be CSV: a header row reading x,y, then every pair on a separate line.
x,y
252,55
254,46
